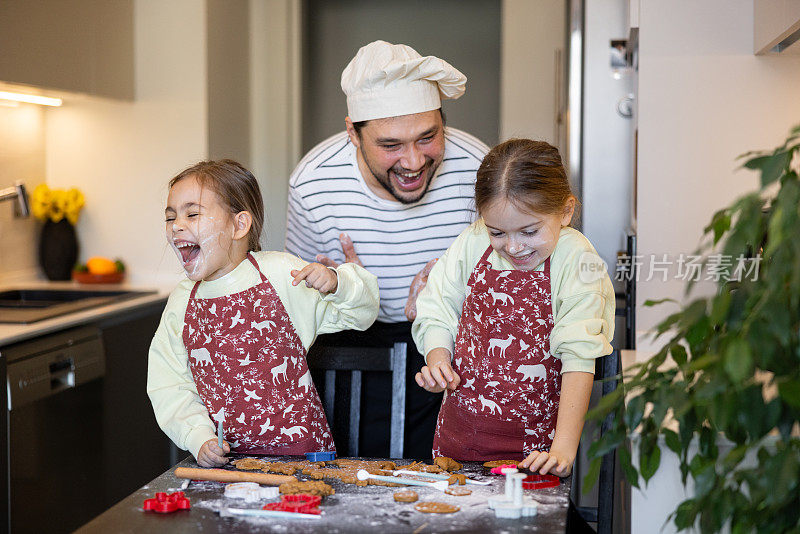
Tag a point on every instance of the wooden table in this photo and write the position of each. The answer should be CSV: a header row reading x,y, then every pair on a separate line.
x,y
351,509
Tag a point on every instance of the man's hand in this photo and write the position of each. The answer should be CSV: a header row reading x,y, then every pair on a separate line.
x,y
417,284
349,250
210,455
317,276
438,375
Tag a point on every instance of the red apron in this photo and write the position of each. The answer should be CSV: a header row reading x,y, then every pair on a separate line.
x,y
250,369
507,403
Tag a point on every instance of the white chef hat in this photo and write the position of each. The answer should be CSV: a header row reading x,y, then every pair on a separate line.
x,y
388,80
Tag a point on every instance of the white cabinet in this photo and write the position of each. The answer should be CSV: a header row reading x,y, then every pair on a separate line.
x,y
83,46
776,27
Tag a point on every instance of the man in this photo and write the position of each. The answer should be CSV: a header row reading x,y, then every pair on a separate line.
x,y
390,193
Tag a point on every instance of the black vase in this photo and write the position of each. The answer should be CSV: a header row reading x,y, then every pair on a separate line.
x,y
58,249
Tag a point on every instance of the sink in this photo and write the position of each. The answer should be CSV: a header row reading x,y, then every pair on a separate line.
x,y
22,306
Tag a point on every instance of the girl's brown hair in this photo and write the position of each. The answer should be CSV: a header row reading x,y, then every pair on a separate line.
x,y
528,173
235,185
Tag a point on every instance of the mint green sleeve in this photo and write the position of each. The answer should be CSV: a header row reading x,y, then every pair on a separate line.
x,y
353,306
178,408
583,305
439,303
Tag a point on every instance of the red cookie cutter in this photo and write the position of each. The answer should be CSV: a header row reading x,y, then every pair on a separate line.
x,y
540,482
499,469
300,503
165,504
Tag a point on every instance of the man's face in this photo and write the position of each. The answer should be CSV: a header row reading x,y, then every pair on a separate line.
x,y
399,155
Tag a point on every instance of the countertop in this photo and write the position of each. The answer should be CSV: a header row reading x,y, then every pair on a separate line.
x,y
351,509
13,333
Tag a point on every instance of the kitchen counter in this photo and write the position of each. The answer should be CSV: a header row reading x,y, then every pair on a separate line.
x,y
13,333
351,509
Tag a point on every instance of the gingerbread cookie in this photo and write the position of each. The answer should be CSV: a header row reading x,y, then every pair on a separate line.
x,y
405,496
431,507
249,464
458,492
448,464
289,468
498,463
461,479
312,487
425,468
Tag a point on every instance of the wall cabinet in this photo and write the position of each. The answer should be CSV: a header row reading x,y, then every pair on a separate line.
x,y
83,46
776,27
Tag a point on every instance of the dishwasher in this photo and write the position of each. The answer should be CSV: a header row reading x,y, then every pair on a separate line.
x,y
55,430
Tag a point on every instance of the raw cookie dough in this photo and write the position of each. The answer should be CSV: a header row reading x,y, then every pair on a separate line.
x,y
498,463
461,479
448,464
289,468
312,487
431,507
406,496
458,492
249,464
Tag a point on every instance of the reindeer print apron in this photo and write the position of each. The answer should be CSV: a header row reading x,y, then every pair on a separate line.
x,y
250,369
507,402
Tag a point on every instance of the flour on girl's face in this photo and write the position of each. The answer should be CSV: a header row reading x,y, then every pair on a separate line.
x,y
200,229
522,237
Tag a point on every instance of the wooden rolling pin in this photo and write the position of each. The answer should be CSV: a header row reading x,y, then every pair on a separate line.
x,y
223,475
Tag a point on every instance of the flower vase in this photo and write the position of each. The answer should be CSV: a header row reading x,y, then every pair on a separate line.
x,y
58,249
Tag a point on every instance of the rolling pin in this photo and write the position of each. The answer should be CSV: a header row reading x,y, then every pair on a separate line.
x,y
223,475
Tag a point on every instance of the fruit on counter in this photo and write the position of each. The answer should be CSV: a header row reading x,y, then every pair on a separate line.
x,y
100,265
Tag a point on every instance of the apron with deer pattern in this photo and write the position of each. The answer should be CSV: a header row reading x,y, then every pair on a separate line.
x,y
507,402
250,369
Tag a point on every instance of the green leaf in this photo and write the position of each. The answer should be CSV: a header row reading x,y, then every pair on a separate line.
x,y
650,302
649,462
734,456
678,354
634,412
738,360
592,474
720,306
624,457
790,392
672,440
685,514
771,166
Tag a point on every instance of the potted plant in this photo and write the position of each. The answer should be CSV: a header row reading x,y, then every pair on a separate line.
x,y
730,367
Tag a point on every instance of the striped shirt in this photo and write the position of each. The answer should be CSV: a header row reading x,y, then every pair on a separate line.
x,y
327,196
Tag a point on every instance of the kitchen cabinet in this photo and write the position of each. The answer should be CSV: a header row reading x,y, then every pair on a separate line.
x,y
83,46
82,434
776,27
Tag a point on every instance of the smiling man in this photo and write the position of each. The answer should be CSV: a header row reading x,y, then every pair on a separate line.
x,y
390,193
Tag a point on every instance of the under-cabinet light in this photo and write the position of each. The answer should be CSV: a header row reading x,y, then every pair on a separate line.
x,y
30,99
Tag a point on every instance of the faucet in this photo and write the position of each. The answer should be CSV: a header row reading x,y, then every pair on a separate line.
x,y
17,191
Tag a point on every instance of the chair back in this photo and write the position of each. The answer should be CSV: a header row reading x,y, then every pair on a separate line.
x,y
355,360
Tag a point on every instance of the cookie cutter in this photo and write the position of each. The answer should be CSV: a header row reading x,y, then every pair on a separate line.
x,y
499,469
299,503
250,491
166,503
321,456
513,504
536,481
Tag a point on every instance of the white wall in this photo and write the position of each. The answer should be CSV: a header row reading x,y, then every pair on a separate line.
x,y
531,32
122,154
607,172
704,99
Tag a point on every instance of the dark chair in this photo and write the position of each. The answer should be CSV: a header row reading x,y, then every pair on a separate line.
x,y
355,360
606,367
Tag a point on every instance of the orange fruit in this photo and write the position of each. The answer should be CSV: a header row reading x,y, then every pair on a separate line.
x,y
100,265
